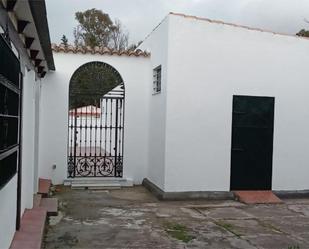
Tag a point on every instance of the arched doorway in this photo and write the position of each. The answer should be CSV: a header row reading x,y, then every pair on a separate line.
x,y
96,122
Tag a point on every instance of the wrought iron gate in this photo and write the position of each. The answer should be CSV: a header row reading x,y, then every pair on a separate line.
x,y
96,131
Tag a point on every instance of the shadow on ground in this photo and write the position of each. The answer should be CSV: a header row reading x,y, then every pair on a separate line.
x,y
133,218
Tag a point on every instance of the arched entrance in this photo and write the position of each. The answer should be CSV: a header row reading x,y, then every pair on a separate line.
x,y
96,122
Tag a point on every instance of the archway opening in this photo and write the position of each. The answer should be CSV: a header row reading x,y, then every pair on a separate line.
x,y
96,122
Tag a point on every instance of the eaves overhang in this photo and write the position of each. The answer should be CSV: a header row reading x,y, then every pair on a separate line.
x,y
38,10
25,24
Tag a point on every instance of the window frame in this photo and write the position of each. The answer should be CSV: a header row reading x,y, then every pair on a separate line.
x,y
10,151
157,80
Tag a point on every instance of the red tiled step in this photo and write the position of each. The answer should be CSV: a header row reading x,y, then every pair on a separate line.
x,y
257,197
44,185
37,200
31,231
50,205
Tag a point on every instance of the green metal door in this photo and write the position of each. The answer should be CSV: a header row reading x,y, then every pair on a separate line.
x,y
252,143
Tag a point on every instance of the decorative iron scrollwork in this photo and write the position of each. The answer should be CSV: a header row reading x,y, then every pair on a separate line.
x,y
71,166
119,166
105,166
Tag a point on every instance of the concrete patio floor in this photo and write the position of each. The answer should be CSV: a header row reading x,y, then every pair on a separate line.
x,y
133,218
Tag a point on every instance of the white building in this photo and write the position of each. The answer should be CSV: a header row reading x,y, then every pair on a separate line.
x,y
180,138
210,107
204,64
25,57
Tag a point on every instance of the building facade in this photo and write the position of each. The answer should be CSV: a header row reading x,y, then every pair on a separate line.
x,y
200,107
223,88
25,57
206,65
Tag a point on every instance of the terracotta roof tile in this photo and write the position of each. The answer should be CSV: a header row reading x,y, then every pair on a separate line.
x,y
234,25
98,50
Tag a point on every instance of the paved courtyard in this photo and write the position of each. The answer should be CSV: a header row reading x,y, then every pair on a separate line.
x,y
133,218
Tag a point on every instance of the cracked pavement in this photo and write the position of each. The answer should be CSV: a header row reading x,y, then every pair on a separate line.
x,y
133,218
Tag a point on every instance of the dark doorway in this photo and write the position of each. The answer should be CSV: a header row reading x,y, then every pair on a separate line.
x,y
252,143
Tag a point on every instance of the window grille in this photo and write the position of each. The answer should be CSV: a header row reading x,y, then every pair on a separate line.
x,y
157,80
10,114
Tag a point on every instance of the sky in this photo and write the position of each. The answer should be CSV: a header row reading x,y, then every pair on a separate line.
x,y
141,16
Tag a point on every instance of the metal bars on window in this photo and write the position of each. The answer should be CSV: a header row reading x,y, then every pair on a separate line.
x,y
10,112
157,80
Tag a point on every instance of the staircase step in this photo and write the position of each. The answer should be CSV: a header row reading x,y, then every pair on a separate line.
x,y
36,200
44,186
94,185
31,230
50,205
257,197
101,181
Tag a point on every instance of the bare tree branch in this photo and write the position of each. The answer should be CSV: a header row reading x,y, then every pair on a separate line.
x,y
119,38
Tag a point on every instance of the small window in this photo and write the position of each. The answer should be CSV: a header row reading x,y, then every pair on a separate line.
x,y
157,80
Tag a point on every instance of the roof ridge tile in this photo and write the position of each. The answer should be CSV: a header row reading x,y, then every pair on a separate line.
x,y
61,48
235,25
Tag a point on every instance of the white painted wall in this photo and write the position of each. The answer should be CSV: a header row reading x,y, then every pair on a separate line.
x,y
37,92
53,139
8,194
157,43
28,140
8,213
208,64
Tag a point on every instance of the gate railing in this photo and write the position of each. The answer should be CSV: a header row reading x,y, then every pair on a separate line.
x,y
96,138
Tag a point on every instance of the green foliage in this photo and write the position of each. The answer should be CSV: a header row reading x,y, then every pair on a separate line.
x,y
93,29
293,247
303,33
96,28
178,231
64,40
90,82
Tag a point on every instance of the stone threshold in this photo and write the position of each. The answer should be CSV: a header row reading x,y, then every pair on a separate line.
x,y
257,197
98,182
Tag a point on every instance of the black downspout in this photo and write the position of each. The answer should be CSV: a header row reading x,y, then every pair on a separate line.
x,y
19,167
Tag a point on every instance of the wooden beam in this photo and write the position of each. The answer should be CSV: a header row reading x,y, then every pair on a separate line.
x,y
34,54
21,25
43,74
40,69
28,42
37,62
10,4
15,38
